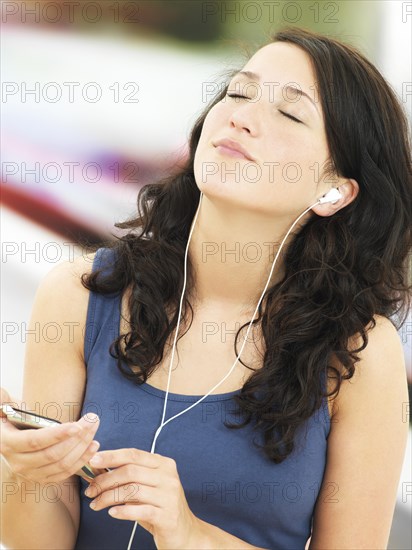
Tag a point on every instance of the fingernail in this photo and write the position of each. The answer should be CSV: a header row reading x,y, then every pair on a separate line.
x,y
91,490
94,446
91,417
96,460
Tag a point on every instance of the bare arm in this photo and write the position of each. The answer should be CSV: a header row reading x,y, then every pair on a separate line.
x,y
42,514
31,517
366,448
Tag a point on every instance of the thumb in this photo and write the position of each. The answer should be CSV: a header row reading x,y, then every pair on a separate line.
x,y
5,397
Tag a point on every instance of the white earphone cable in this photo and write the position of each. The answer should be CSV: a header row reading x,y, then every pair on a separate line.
x,y
162,423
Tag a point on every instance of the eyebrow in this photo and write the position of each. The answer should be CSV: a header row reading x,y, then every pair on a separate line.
x,y
256,77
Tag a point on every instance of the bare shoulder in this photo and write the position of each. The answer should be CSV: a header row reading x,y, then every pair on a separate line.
x,y
381,362
369,429
67,276
61,296
70,271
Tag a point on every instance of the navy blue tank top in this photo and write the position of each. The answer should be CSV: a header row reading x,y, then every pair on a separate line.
x,y
228,482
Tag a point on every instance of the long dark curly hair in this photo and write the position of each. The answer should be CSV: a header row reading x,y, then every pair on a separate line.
x,y
340,270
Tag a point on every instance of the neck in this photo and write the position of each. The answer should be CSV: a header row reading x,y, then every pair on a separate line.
x,y
232,252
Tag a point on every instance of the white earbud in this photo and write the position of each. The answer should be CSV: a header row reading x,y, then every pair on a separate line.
x,y
331,196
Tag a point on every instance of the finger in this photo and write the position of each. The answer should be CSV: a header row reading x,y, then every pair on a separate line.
x,y
67,456
130,492
120,457
74,467
22,441
37,439
121,476
11,402
137,512
5,397
36,464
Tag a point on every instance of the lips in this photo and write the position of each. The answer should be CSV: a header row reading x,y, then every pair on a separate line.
x,y
229,146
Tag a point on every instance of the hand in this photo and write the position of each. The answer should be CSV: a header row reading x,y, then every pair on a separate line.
x,y
47,454
145,487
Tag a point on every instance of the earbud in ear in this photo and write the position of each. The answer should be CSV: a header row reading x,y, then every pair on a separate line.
x,y
331,196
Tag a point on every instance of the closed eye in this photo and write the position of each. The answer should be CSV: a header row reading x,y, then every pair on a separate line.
x,y
283,113
291,117
237,95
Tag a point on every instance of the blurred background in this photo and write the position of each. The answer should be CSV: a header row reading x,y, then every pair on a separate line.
x,y
98,99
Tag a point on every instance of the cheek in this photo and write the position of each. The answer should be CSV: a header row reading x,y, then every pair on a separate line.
x,y
215,119
211,130
291,150
206,136
201,157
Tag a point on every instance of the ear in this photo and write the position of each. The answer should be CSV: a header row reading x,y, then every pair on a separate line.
x,y
349,188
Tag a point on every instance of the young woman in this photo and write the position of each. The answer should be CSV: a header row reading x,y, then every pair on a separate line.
x,y
301,436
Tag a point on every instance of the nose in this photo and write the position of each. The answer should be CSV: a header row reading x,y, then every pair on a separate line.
x,y
242,119
240,125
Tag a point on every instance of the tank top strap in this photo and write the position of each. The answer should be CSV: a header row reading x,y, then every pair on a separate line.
x,y
101,307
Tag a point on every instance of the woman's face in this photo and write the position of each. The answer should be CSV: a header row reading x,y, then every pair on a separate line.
x,y
287,156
